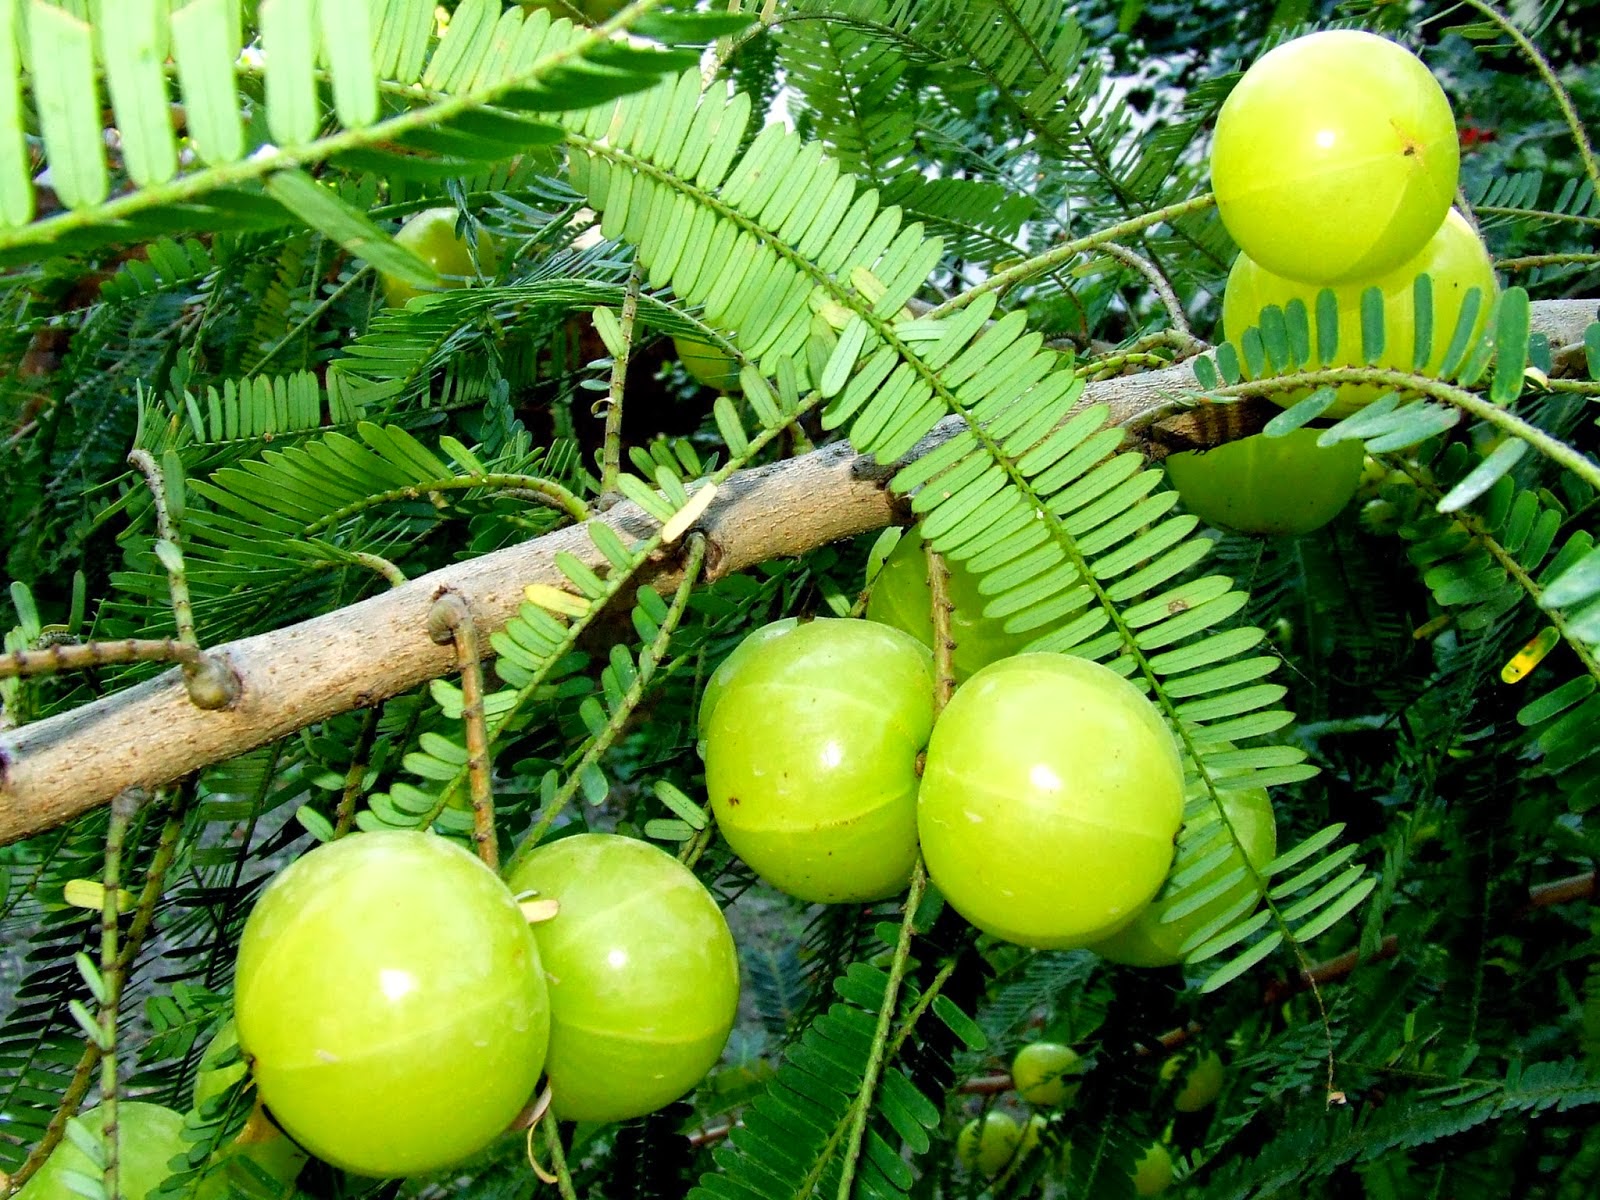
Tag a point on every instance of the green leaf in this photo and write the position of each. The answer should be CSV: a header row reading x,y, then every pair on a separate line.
x,y
1484,476
1577,583
68,104
1511,346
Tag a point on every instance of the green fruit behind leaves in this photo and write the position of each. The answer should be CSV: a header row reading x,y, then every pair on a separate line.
x,y
988,1147
149,1136
1044,1073
1152,941
901,598
1265,485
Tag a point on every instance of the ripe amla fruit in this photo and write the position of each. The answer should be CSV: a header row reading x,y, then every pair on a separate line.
x,y
811,758
1202,1083
1153,937
1454,259
1152,1174
901,597
1335,157
643,974
389,996
1041,1070
149,1136
431,236
1269,485
988,1147
1050,798
708,364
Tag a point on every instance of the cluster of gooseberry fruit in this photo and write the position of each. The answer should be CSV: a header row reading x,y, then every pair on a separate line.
x,y
1046,1076
1045,799
1334,166
396,1005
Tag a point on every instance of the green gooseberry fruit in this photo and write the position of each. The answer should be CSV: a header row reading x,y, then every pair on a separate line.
x,y
1268,485
728,667
1335,157
221,1065
1152,1175
149,1136
987,1147
431,236
1152,940
1042,760
901,597
1202,1083
389,995
811,758
708,364
1454,259
643,975
265,1147
1040,1073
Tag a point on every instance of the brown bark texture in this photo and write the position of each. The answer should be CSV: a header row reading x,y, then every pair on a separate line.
x,y
152,734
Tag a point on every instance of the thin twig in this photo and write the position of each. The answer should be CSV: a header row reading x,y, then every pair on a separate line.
x,y
558,1158
611,462
356,774
451,620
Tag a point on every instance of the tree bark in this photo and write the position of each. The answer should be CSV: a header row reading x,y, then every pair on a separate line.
x,y
151,734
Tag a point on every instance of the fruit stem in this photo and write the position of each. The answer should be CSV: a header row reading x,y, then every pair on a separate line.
x,y
356,774
452,614
123,809
880,1038
558,1159
611,462
944,643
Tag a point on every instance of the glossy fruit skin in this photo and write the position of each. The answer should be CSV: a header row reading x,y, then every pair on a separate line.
x,y
431,236
729,667
1453,258
391,964
989,1152
1335,158
1265,485
1041,1070
1152,1175
1201,1085
1148,941
642,971
901,597
811,757
150,1136
1041,760
708,364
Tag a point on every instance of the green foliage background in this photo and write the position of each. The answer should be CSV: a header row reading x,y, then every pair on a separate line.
x,y
208,296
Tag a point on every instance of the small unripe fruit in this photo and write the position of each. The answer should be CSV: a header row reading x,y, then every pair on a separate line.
x,y
1044,1073
1152,1175
431,236
1202,1084
708,364
987,1149
643,975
